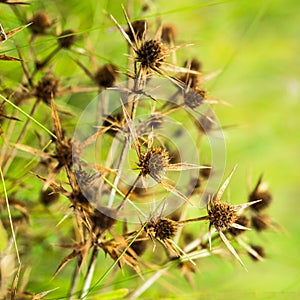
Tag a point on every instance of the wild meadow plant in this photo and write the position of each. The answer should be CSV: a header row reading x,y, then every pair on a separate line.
x,y
123,173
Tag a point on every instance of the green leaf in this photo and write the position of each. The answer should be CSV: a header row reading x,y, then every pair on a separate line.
x,y
117,294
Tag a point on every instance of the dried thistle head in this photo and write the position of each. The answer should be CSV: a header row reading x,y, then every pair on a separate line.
x,y
162,228
64,152
241,220
47,88
260,192
154,162
191,79
168,33
139,27
150,54
106,76
222,215
193,98
40,22
48,197
260,222
103,219
259,250
66,39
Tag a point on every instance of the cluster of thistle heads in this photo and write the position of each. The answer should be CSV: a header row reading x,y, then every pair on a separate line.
x,y
135,154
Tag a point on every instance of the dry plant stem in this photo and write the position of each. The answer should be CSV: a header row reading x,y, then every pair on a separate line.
x,y
129,192
119,172
90,273
148,283
10,156
75,279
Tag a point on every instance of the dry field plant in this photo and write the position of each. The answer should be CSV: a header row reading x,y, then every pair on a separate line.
x,y
112,158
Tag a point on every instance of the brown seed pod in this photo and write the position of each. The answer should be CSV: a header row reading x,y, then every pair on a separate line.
x,y
40,22
193,98
139,27
162,228
66,39
103,219
190,79
168,34
259,250
241,220
260,222
151,54
153,162
106,76
260,192
221,215
47,88
48,197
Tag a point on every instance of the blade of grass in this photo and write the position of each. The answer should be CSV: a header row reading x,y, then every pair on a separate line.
x,y
10,217
28,116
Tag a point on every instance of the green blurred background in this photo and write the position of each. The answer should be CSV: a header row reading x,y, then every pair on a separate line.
x,y
256,46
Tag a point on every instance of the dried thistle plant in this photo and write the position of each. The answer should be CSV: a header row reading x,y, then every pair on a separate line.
x,y
87,199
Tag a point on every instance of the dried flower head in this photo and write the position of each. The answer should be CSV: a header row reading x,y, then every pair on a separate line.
x,y
192,80
193,98
241,220
168,34
139,28
259,250
40,22
221,215
154,162
162,228
103,219
47,88
48,196
151,54
260,222
106,76
260,192
66,39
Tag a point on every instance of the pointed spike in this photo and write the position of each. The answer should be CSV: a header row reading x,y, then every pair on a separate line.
x,y
129,24
16,30
239,226
123,32
231,249
224,186
241,207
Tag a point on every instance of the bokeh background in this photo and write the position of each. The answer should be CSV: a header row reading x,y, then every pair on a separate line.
x,y
255,46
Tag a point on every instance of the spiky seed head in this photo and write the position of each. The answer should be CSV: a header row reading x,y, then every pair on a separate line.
x,y
47,88
259,250
241,220
221,215
260,222
117,120
48,197
139,247
194,64
168,34
64,152
162,228
106,75
206,172
154,162
103,219
193,98
66,39
40,22
139,27
260,192
191,79
151,54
